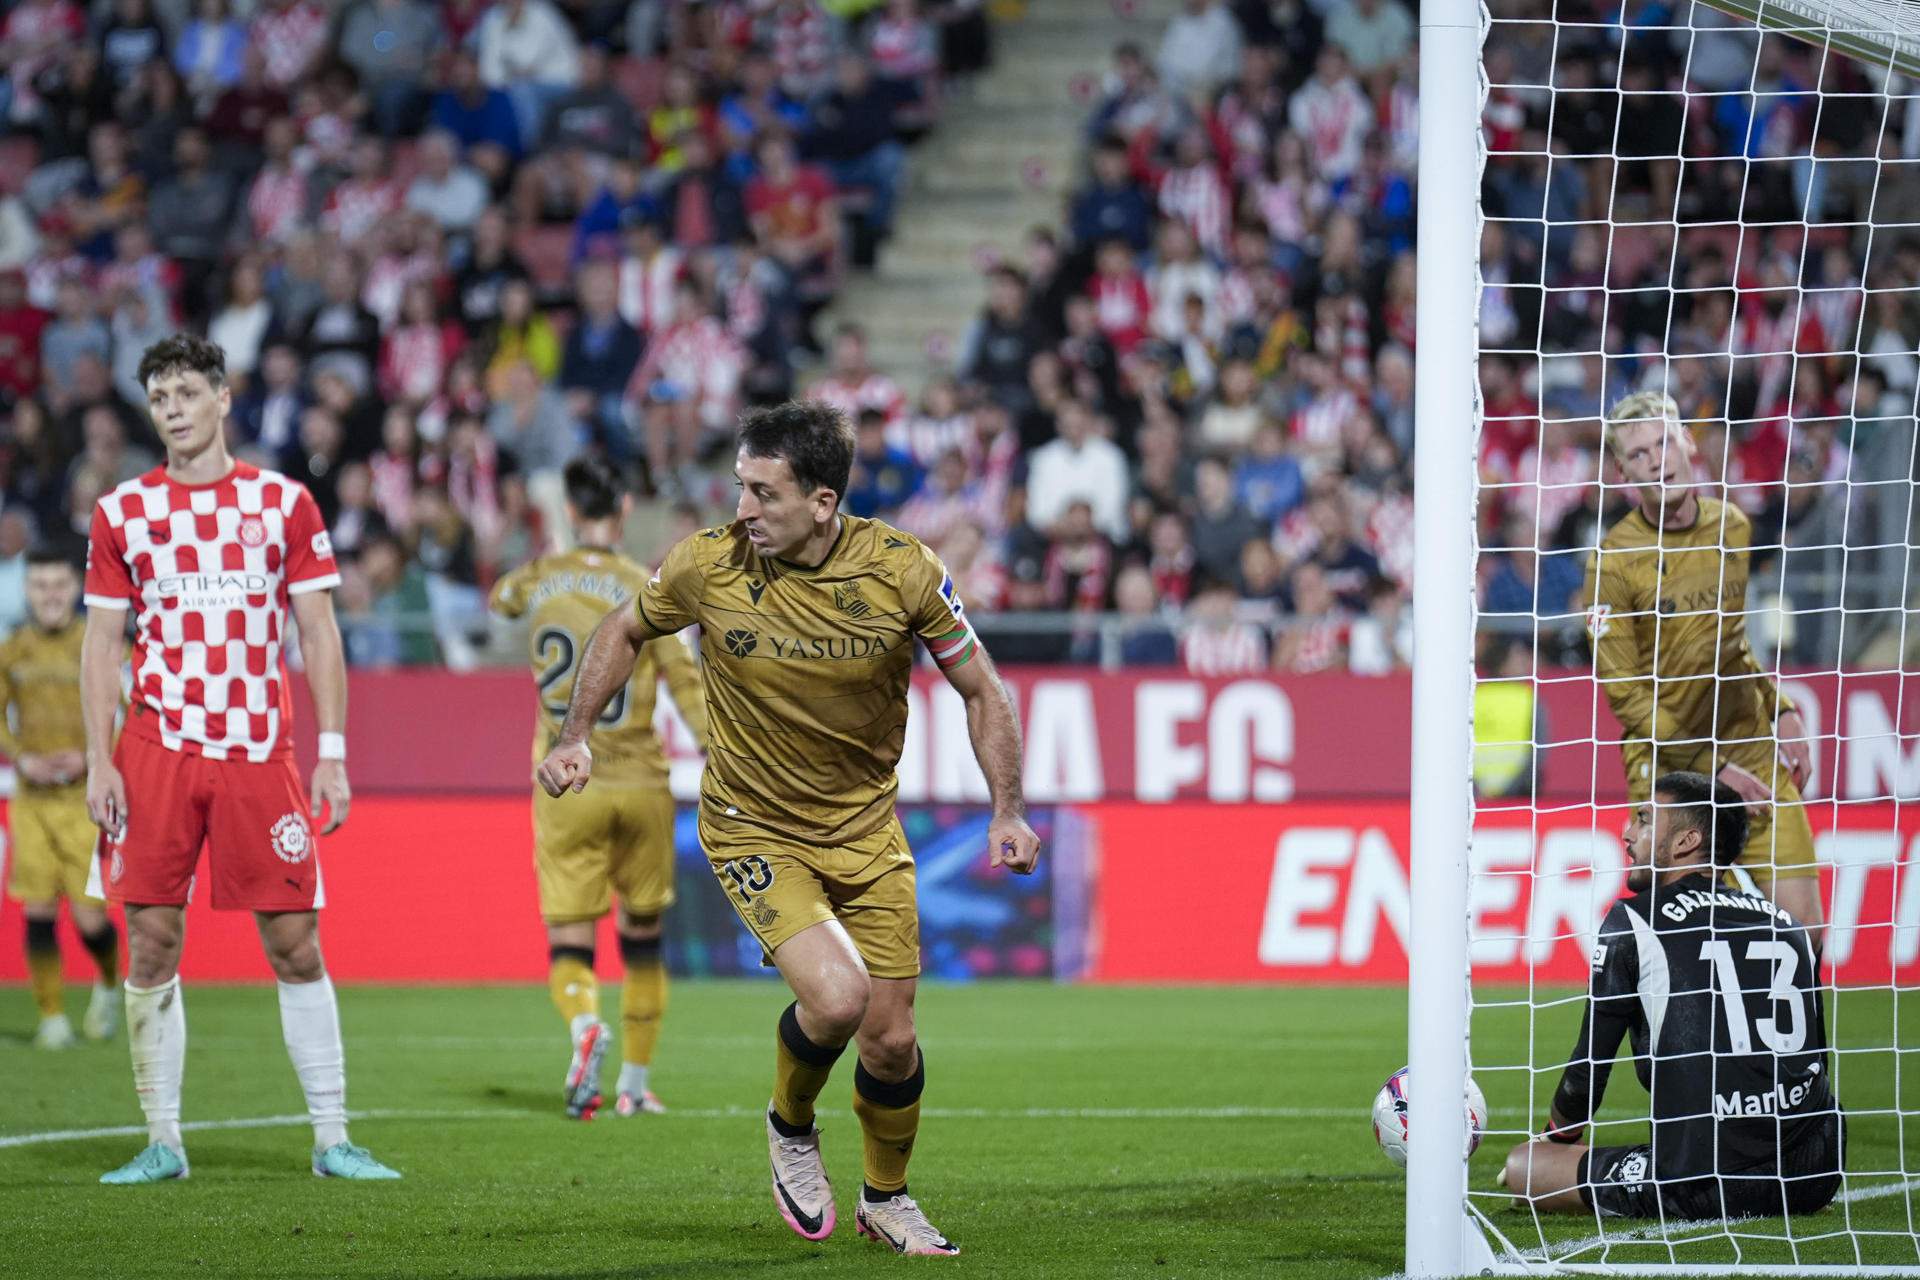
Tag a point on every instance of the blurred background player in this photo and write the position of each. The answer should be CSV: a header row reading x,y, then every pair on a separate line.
x,y
619,840
53,839
811,617
1666,601
213,555
1720,993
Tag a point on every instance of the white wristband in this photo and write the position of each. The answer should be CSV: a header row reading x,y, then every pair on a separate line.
x,y
333,746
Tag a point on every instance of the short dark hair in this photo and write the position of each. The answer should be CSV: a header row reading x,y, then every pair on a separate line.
x,y
593,487
184,353
46,555
811,436
1708,806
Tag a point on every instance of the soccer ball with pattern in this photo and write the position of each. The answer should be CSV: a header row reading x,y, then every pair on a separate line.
x,y
1390,1117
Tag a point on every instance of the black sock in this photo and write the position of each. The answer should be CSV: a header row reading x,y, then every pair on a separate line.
x,y
872,1196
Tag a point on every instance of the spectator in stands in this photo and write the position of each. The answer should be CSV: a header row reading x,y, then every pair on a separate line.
x,y
390,44
481,116
795,213
1332,113
1200,50
1267,481
852,134
1001,342
1372,33
1145,638
135,326
688,387
130,38
527,49
1380,641
1221,525
340,328
944,501
853,385
384,610
602,352
1081,464
267,414
75,332
1215,641
884,476
521,335
449,192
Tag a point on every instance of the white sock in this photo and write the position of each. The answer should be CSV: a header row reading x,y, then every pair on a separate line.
x,y
633,1079
157,1039
581,1021
310,1022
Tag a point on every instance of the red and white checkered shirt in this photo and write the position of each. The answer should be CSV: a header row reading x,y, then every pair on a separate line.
x,y
209,570
289,40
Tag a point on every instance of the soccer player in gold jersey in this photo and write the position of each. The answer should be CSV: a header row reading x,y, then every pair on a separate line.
x,y
1666,596
809,619
619,841
53,838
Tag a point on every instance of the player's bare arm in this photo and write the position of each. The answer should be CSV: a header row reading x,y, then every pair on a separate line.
x,y
605,669
994,726
101,652
327,680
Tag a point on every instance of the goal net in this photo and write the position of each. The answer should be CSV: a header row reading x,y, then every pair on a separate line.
x,y
1719,207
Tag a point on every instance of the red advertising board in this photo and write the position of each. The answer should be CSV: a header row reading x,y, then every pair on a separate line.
x,y
1160,738
1318,893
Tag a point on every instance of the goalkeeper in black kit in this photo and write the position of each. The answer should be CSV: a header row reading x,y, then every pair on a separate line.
x,y
1720,994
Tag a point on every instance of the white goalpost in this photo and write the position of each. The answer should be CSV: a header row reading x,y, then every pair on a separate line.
x,y
1721,205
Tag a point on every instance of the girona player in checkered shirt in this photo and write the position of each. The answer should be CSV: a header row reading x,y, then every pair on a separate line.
x,y
210,555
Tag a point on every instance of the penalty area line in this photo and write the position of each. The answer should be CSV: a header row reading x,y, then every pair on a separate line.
x,y
12,1140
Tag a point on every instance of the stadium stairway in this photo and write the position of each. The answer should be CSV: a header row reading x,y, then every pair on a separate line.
x,y
1004,158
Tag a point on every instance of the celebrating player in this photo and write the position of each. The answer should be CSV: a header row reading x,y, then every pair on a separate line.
x,y
1721,995
1667,597
211,554
621,838
809,617
53,838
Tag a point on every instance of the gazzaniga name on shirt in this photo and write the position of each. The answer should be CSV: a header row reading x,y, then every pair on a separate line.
x,y
1687,901
1781,1098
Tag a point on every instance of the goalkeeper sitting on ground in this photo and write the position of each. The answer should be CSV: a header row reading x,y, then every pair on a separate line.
x,y
1666,596
1719,991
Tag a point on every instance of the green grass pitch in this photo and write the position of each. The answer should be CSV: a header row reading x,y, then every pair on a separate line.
x,y
1070,1132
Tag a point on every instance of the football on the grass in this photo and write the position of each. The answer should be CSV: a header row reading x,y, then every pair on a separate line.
x,y
1390,1117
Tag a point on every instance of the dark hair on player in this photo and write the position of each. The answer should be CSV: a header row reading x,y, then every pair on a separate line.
x,y
46,554
184,353
593,487
1710,807
811,436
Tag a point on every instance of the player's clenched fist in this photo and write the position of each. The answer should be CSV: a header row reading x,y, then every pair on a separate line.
x,y
566,768
1012,844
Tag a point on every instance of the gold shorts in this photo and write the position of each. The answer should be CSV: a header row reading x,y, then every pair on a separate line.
x,y
53,845
781,886
1779,837
609,839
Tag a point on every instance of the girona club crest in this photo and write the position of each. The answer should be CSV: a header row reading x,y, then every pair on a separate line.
x,y
292,841
253,532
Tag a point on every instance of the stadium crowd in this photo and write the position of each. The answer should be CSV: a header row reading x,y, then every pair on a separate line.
x,y
448,246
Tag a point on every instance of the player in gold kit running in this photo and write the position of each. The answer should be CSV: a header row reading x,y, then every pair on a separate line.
x,y
1666,598
618,841
809,619
53,838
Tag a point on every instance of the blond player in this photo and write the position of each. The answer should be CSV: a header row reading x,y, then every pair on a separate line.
x,y
53,839
620,844
1666,596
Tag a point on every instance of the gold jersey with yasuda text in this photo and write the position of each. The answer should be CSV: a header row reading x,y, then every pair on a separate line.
x,y
564,597
1666,609
807,669
40,691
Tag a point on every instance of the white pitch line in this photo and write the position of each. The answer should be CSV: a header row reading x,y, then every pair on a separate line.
x,y
716,1113
1562,1252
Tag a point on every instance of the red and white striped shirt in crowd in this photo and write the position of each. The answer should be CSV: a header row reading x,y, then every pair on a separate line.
x,y
1198,197
1389,535
386,284
1776,338
1334,120
393,478
358,205
646,289
289,40
903,48
869,391
1122,307
209,571
1296,536
932,516
1342,327
154,276
802,47
29,24
1236,649
1553,484
45,275
277,204
1322,423
692,360
415,358
1289,206
1320,644
928,438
